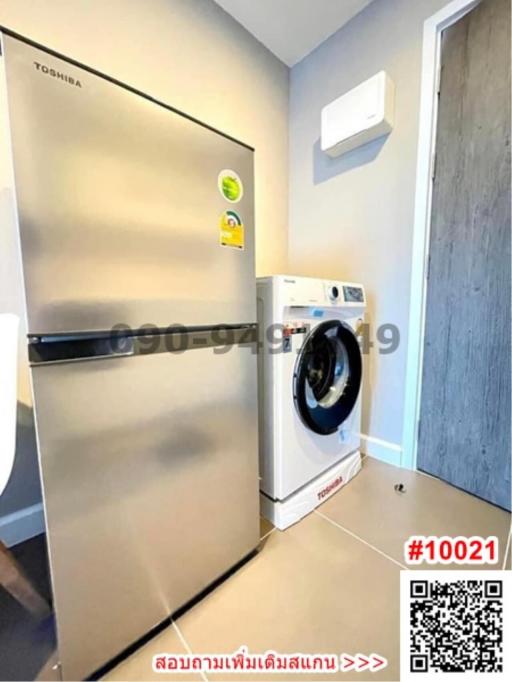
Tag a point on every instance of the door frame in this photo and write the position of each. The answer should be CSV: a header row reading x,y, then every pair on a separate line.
x,y
430,81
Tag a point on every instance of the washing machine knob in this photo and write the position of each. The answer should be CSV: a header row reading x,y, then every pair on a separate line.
x,y
334,293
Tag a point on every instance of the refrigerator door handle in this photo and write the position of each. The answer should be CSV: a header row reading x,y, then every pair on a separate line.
x,y
60,349
63,350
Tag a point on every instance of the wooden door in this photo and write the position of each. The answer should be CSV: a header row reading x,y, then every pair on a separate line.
x,y
464,435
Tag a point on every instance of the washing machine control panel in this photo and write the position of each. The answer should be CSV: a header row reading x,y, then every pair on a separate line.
x,y
338,293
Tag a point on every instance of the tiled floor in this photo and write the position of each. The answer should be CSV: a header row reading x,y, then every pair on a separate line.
x,y
371,509
25,642
330,583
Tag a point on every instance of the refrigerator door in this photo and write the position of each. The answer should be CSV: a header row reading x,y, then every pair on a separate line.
x,y
149,464
121,216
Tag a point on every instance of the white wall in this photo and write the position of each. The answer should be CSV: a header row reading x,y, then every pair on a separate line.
x,y
352,217
193,55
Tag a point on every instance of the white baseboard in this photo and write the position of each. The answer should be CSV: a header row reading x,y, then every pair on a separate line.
x,y
381,449
22,525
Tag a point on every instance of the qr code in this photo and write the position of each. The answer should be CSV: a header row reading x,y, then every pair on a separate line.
x,y
453,622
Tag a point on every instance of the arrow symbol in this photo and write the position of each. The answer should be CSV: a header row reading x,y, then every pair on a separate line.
x,y
350,662
363,662
377,662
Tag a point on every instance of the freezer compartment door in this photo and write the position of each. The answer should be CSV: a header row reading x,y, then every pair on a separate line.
x,y
149,466
122,219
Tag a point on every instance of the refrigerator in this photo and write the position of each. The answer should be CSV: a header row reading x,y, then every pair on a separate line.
x,y
127,249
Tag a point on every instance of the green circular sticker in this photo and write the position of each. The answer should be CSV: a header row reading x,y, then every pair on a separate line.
x,y
230,186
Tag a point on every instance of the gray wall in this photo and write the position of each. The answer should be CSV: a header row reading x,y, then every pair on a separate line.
x,y
193,55
352,217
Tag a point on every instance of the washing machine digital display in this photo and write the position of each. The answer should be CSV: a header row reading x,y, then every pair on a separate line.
x,y
353,294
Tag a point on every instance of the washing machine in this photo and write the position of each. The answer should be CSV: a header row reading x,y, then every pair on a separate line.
x,y
310,375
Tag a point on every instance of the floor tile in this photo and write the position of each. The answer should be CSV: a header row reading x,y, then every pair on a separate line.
x,y
265,526
310,589
370,507
49,671
139,665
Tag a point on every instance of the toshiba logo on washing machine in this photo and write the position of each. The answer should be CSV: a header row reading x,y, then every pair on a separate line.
x,y
329,488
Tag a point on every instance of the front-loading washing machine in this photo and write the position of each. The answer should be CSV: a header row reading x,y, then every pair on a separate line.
x,y
310,375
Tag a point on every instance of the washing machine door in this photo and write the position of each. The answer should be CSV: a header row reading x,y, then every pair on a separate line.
x,y
327,377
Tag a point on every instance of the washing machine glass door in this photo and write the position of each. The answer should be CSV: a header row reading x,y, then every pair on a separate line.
x,y
327,377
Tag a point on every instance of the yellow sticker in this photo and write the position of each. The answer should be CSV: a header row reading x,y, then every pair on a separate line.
x,y
231,230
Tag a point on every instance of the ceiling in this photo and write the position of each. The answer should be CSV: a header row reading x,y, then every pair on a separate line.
x,y
291,29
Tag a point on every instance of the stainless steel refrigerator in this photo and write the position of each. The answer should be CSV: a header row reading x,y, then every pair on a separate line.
x,y
120,212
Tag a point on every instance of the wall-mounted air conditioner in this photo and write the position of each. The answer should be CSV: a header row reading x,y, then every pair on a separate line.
x,y
359,116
